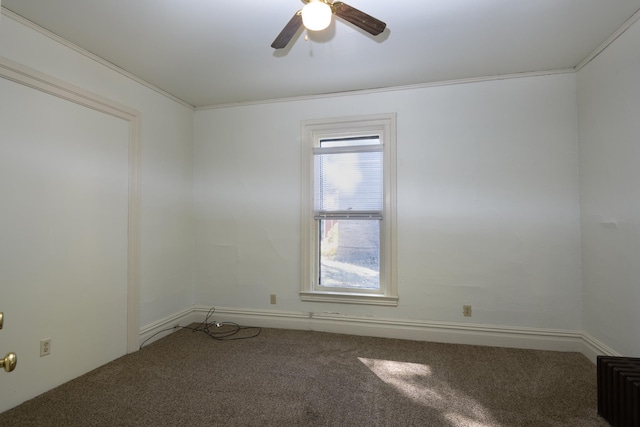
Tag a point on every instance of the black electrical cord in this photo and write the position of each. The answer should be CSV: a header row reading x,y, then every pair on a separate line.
x,y
223,331
220,331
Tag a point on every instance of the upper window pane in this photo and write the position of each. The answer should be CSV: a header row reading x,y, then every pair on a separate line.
x,y
350,181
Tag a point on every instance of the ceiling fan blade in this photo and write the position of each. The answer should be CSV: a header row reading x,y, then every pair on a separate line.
x,y
288,32
358,18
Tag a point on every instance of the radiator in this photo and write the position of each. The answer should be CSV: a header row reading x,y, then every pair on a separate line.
x,y
619,390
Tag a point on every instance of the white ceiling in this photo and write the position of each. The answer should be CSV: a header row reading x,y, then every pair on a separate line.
x,y
212,52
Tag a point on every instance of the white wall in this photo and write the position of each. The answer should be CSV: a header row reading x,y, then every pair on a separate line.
x,y
488,210
65,269
167,129
63,258
609,129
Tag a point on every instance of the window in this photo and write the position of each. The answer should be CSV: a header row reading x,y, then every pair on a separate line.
x,y
348,210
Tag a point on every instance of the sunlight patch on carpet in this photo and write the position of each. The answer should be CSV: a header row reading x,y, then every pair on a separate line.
x,y
461,420
418,383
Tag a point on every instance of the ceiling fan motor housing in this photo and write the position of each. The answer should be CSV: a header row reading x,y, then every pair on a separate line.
x,y
326,9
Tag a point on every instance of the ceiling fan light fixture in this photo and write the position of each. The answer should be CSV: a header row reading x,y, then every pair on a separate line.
x,y
316,15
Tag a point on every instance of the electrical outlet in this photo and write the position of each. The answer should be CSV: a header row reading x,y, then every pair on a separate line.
x,y
45,347
273,298
466,310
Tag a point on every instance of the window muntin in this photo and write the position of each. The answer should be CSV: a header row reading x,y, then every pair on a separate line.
x,y
348,217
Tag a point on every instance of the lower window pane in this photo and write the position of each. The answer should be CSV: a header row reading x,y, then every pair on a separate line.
x,y
350,253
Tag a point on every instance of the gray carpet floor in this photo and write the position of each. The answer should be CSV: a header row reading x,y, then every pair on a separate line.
x,y
303,378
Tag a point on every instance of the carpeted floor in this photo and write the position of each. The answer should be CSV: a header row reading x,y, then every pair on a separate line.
x,y
301,378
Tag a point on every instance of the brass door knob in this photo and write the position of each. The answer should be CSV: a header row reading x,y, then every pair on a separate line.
x,y
9,362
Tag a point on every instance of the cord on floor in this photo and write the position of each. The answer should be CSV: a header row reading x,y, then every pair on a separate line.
x,y
220,331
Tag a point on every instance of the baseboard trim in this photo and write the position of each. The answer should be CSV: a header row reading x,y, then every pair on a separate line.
x,y
251,317
163,327
592,348
450,332
417,330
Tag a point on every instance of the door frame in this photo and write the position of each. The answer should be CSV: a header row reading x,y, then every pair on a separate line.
x,y
34,79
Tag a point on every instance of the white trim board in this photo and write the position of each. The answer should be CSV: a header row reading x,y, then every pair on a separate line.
x,y
34,79
626,25
417,86
66,43
163,327
592,348
418,330
613,37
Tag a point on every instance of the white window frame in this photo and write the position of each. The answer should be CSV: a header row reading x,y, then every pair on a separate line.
x,y
312,131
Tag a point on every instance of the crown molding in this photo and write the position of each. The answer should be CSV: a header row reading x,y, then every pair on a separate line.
x,y
32,25
417,86
613,37
632,20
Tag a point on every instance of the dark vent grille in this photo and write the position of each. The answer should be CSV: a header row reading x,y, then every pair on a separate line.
x,y
619,390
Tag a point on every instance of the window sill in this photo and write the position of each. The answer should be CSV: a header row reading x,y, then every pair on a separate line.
x,y
349,298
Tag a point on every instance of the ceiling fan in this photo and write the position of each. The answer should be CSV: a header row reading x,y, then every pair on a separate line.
x,y
316,15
